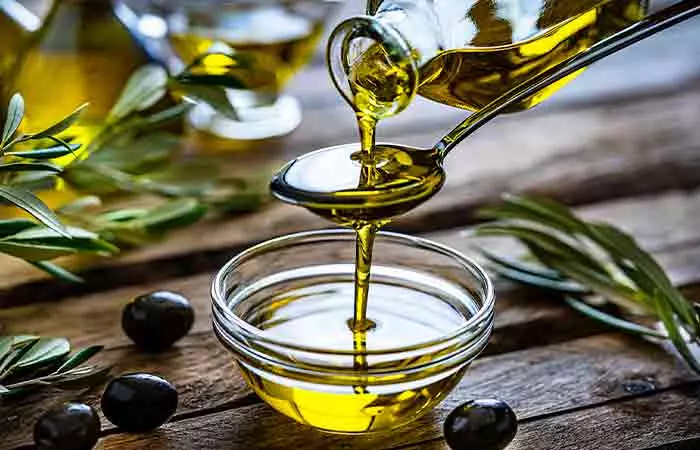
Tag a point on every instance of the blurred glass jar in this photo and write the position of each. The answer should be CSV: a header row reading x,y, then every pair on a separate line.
x,y
17,22
82,53
271,39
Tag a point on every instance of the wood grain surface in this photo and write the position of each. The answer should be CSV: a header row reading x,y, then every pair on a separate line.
x,y
622,143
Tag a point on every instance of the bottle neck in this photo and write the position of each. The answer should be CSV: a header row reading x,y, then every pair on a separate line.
x,y
415,21
379,56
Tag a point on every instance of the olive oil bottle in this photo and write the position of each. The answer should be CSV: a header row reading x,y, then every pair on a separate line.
x,y
16,24
82,53
466,54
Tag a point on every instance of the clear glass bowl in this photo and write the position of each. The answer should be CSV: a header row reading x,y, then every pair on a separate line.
x,y
272,40
282,308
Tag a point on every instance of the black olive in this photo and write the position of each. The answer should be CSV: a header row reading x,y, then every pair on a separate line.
x,y
156,320
480,424
139,402
73,426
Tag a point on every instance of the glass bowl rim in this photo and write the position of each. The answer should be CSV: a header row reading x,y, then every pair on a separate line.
x,y
484,315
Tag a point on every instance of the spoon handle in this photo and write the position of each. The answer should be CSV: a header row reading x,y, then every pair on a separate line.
x,y
648,26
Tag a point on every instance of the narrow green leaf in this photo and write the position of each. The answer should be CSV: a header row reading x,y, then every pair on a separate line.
x,y
30,167
624,248
675,334
81,205
122,215
550,243
35,252
44,352
530,269
12,226
31,204
15,113
17,352
177,213
57,271
7,343
78,239
78,358
564,287
161,117
541,211
611,320
46,153
61,125
145,88
213,96
239,202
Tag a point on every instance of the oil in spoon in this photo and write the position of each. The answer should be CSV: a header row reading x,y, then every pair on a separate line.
x,y
365,186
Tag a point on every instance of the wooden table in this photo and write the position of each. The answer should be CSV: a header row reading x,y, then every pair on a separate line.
x,y
622,143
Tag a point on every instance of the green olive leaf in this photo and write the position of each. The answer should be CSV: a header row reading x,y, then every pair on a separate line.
x,y
43,352
57,271
81,205
12,226
159,118
214,96
78,358
78,240
62,125
8,343
541,211
611,320
35,252
16,352
609,263
15,113
145,88
29,167
31,204
46,153
174,214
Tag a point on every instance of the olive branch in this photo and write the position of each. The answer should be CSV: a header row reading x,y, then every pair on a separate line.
x,y
130,155
28,363
590,262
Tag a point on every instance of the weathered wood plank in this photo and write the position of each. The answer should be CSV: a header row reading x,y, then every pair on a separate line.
x,y
668,421
203,371
206,378
96,317
559,378
577,156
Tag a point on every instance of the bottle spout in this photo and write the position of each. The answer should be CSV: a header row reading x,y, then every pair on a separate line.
x,y
372,66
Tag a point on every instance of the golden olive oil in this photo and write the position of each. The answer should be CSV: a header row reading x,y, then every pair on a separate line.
x,y
363,187
82,54
271,44
317,311
502,47
12,36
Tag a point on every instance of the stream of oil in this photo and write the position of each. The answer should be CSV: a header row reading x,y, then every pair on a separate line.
x,y
364,187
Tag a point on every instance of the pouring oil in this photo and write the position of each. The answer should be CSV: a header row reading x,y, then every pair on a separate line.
x,y
363,187
407,309
499,45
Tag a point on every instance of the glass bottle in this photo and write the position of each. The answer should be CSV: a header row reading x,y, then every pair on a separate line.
x,y
463,53
16,24
82,53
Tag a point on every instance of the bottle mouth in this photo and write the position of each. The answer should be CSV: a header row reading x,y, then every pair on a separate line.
x,y
372,66
235,295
